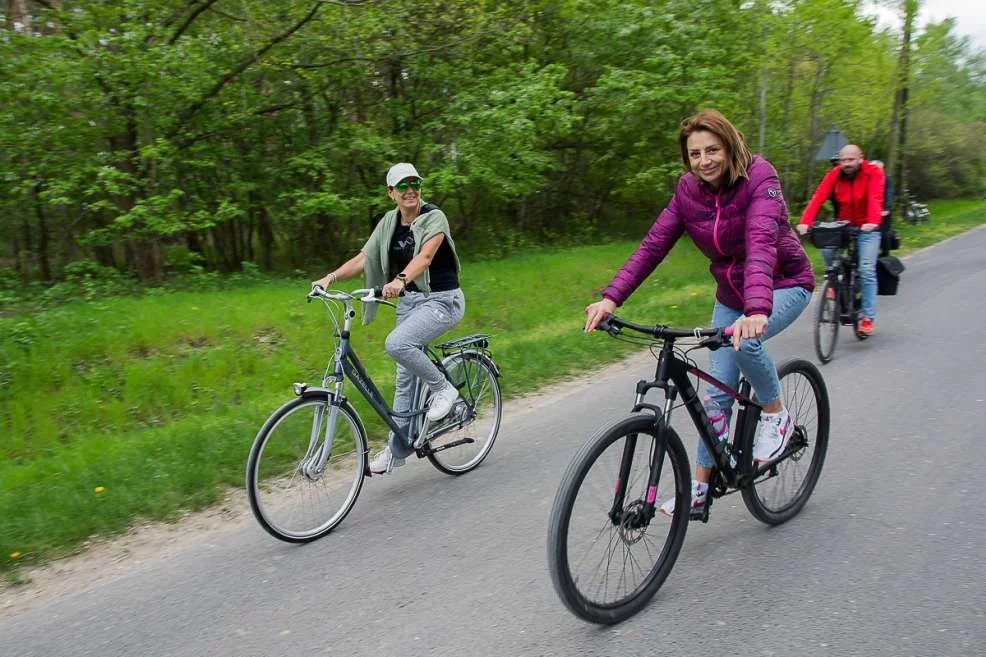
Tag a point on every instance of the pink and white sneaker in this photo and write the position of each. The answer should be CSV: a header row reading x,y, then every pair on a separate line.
x,y
699,491
773,432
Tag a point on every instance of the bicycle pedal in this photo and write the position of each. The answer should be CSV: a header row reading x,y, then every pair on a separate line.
x,y
701,514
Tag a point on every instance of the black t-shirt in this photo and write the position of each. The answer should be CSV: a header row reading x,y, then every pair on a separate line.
x,y
442,270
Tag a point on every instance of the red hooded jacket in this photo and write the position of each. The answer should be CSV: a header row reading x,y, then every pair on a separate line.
x,y
858,200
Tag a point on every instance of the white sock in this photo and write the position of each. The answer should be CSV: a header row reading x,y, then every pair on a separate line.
x,y
776,418
700,488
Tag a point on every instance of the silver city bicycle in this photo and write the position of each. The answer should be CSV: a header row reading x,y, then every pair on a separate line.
x,y
309,460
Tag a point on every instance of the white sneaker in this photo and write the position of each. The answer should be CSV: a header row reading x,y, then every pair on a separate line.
x,y
699,491
384,462
773,432
442,402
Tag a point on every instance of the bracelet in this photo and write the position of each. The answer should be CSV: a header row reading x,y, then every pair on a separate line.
x,y
334,277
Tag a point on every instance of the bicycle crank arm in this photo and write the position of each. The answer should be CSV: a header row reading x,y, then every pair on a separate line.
x,y
454,443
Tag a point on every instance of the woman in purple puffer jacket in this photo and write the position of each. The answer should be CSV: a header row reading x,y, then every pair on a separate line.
x,y
729,202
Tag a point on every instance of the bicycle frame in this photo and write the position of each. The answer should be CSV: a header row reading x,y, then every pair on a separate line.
x,y
673,376
347,365
843,274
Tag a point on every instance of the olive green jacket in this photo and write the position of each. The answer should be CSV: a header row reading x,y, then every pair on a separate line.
x,y
376,267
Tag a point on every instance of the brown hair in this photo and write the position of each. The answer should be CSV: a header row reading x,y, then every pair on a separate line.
x,y
738,153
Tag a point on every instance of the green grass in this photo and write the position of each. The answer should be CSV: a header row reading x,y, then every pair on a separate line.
x,y
154,401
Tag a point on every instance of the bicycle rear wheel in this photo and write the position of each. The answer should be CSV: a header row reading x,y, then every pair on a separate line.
x,y
606,558
466,435
780,489
291,498
827,322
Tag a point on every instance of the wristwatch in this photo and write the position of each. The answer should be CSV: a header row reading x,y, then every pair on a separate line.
x,y
402,277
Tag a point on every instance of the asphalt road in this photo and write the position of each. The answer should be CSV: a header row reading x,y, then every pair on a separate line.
x,y
887,558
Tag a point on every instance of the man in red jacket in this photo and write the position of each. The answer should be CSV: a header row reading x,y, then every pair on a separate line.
x,y
856,189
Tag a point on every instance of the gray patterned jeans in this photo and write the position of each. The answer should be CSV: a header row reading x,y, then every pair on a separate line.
x,y
421,318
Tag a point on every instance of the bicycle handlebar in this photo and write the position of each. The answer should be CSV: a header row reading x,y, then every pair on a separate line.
x,y
828,225
614,326
366,295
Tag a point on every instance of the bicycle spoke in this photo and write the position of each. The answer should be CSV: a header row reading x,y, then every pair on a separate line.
x,y
611,563
475,420
291,499
782,488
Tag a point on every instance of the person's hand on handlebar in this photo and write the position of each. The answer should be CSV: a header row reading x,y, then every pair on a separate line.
x,y
802,228
392,289
326,281
748,328
597,312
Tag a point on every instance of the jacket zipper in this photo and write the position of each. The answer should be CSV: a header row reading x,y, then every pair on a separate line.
x,y
715,228
715,241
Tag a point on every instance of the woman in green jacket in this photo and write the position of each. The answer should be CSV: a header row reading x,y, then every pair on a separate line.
x,y
410,250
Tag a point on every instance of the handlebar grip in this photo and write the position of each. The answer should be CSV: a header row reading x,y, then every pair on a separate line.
x,y
608,327
378,293
314,292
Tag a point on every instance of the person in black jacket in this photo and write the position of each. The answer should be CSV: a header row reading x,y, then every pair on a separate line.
x,y
888,205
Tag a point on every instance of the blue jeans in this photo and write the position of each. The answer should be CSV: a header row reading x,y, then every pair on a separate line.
x,y
421,318
867,250
752,360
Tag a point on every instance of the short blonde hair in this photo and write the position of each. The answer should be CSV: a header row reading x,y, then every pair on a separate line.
x,y
738,155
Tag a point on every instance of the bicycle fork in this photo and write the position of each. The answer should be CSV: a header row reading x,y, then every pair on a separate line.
x,y
312,465
638,513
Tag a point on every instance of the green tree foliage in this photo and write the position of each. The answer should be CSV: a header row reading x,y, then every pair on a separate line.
x,y
160,136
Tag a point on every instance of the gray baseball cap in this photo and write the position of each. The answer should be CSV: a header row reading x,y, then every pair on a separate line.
x,y
399,172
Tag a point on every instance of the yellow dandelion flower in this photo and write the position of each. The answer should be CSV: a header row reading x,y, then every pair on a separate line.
x,y
99,489
15,555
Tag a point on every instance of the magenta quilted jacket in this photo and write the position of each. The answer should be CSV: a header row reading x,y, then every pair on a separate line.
x,y
744,231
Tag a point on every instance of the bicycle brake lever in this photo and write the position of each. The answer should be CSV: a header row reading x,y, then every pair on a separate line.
x,y
314,291
604,325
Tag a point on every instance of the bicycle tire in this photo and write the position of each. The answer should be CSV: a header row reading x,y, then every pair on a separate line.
x,y
805,396
856,303
479,409
289,504
568,561
826,333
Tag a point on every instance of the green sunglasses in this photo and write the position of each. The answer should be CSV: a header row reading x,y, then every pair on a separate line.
x,y
401,187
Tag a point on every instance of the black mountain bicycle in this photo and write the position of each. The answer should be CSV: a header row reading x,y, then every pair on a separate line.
x,y
608,549
308,462
842,296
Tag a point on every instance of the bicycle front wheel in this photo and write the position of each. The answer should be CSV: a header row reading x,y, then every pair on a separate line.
x,y
827,322
294,496
780,489
466,435
606,556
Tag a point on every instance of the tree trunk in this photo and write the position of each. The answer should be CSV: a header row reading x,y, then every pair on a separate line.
x,y
43,235
266,233
143,256
786,121
816,99
17,16
762,131
898,118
